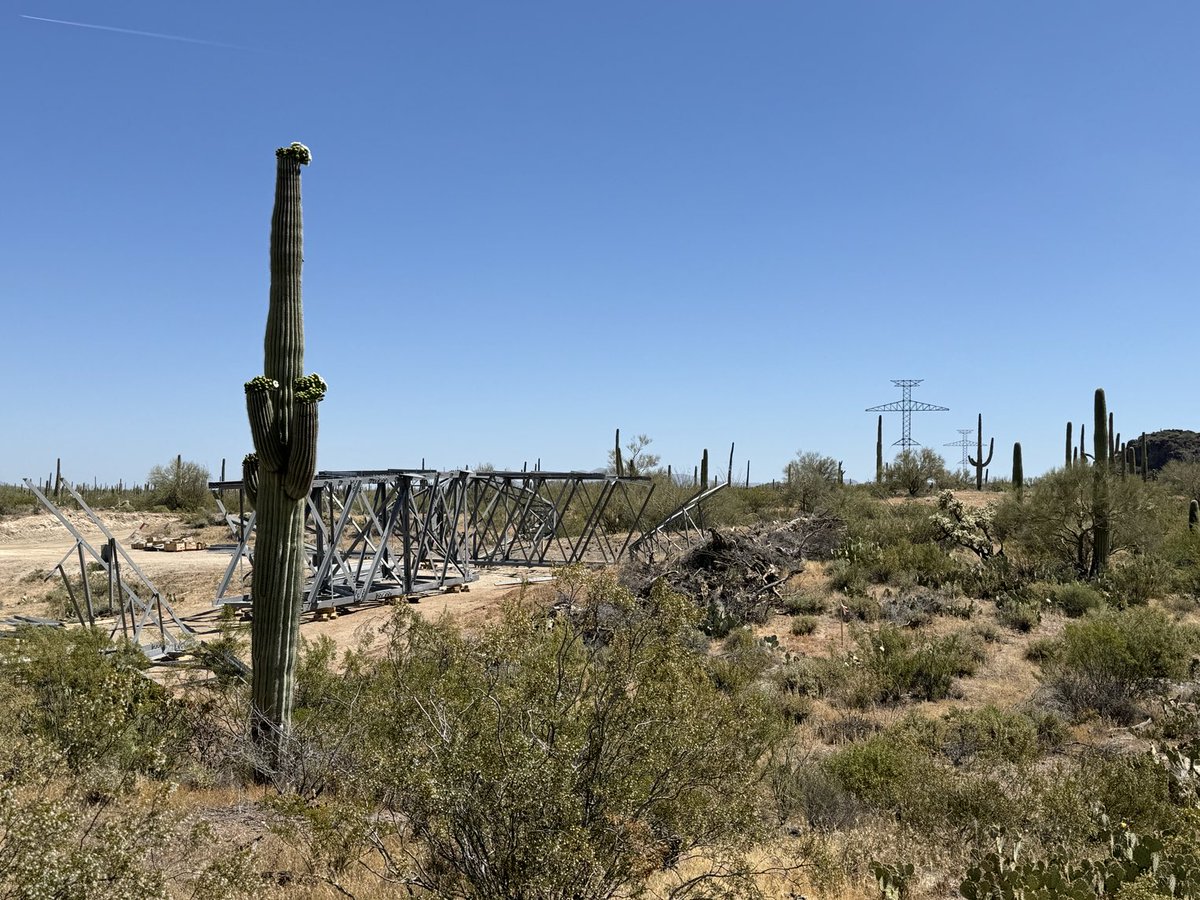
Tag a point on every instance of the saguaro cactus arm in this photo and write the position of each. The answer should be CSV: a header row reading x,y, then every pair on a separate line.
x,y
250,477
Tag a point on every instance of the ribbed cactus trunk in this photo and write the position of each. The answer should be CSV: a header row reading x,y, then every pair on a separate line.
x,y
704,471
978,461
879,450
1018,470
282,407
618,463
1070,446
1193,515
1100,469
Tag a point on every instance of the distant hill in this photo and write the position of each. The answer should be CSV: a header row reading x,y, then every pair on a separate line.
x,y
1171,443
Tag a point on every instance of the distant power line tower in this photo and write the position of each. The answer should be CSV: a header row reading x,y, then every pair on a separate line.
x,y
907,406
965,443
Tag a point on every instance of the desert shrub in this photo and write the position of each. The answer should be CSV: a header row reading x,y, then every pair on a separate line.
x,y
794,708
58,598
863,608
1134,788
917,472
911,609
802,625
987,734
1051,530
801,788
180,484
808,603
847,728
17,500
885,770
1019,612
1137,579
897,665
572,760
848,576
1074,598
742,658
1108,662
1042,650
986,632
92,702
810,676
811,480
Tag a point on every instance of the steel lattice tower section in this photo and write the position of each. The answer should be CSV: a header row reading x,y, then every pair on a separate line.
x,y
965,443
906,405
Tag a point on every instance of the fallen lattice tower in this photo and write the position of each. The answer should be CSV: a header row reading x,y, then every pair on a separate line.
x,y
140,613
383,534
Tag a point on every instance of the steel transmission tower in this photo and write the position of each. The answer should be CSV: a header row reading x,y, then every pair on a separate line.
x,y
965,443
906,405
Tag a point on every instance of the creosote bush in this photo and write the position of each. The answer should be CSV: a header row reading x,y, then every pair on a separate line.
x,y
569,756
1107,663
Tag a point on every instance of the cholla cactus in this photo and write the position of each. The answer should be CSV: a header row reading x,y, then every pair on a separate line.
x,y
965,526
282,407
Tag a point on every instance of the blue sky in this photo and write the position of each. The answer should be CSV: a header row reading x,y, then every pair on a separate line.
x,y
528,223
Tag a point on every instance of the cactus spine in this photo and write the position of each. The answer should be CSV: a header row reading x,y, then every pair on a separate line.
x,y
282,407
1018,472
879,450
1100,504
977,460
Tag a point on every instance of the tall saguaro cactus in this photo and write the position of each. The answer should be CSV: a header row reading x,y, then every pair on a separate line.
x,y
879,450
282,407
1070,447
1101,539
977,460
1018,470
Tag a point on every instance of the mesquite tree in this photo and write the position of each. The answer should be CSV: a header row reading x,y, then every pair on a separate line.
x,y
282,406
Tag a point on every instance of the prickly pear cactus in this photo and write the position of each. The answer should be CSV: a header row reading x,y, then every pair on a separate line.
x,y
282,407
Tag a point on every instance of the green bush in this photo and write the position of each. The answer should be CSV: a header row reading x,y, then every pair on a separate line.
x,y
570,759
803,625
1018,612
885,770
1074,598
808,603
811,676
896,664
1108,662
92,702
1137,580
987,734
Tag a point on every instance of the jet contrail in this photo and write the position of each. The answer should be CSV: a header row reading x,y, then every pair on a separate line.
x,y
153,34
